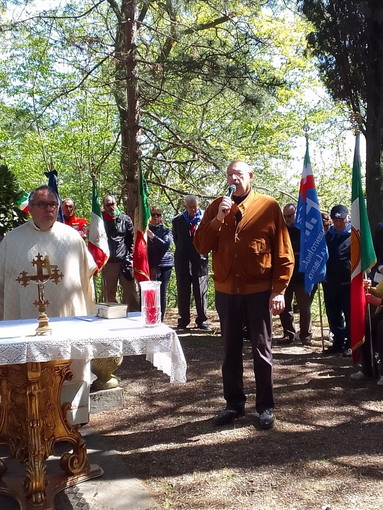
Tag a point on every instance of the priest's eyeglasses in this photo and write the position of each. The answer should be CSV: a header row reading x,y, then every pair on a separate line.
x,y
45,205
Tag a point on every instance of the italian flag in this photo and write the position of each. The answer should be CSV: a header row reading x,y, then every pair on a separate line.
x,y
362,255
98,241
22,202
141,218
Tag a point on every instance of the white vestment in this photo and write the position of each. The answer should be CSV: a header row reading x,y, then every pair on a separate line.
x,y
72,295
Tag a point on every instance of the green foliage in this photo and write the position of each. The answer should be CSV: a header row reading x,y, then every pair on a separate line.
x,y
347,39
217,81
10,215
340,43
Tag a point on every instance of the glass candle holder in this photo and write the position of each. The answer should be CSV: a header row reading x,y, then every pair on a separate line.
x,y
151,303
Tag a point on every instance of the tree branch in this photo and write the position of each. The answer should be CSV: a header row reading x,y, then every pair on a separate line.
x,y
116,9
44,16
210,24
72,89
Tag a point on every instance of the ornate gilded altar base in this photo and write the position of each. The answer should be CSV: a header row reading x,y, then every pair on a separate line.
x,y
32,420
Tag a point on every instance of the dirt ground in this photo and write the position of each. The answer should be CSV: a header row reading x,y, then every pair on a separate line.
x,y
325,451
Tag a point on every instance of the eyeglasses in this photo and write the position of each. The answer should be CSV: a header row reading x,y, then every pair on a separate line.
x,y
156,214
45,205
107,204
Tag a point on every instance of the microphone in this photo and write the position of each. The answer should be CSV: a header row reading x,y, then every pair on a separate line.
x,y
229,194
231,190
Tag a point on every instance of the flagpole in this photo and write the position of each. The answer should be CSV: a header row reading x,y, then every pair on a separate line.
x,y
312,262
320,315
371,347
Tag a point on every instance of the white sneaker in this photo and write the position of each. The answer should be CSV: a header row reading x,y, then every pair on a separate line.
x,y
380,382
359,376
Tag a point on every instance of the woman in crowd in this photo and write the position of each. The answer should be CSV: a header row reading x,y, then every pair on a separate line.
x,y
161,260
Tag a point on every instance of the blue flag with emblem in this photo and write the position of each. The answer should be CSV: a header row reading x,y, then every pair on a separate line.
x,y
313,246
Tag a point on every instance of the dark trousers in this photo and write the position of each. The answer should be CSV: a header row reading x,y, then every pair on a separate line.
x,y
304,304
184,284
337,302
373,344
162,274
253,310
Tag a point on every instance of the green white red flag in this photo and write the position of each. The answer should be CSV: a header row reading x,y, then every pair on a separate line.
x,y
22,202
141,218
362,255
98,240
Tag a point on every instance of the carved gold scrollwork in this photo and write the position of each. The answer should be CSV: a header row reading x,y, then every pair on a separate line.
x,y
32,420
35,420
74,463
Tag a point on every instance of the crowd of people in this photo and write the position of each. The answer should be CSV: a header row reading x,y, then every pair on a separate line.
x,y
255,247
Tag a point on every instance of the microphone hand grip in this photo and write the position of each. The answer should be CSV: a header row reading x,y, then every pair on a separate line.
x,y
229,194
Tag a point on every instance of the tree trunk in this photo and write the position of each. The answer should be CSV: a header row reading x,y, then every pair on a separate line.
x,y
126,95
374,125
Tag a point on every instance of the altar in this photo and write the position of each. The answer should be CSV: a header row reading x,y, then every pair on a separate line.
x,y
32,372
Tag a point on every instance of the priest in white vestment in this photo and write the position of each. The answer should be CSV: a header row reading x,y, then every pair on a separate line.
x,y
72,295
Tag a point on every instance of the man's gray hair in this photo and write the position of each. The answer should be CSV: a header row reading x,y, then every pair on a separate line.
x,y
191,198
68,198
42,188
110,196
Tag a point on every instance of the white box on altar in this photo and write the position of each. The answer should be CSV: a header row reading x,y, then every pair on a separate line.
x,y
111,310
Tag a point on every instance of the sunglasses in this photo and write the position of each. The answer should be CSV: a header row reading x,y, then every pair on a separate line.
x,y
156,214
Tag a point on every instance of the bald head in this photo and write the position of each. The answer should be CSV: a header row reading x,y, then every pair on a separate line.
x,y
68,207
239,174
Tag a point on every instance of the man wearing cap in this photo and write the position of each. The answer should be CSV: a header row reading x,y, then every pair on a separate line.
x,y
336,287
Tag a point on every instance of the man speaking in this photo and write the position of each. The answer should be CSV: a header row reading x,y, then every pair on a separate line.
x,y
252,264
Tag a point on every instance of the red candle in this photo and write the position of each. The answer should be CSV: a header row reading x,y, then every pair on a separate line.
x,y
150,307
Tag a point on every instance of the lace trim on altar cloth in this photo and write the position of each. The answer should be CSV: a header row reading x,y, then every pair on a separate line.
x,y
91,337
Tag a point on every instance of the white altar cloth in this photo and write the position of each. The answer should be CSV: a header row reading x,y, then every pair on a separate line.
x,y
92,337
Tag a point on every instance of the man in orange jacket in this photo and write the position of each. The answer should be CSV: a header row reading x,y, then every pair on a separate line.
x,y
252,264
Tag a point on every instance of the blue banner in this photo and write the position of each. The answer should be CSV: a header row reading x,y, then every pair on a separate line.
x,y
313,247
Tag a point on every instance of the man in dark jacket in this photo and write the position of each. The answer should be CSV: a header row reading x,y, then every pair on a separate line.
x,y
336,287
191,267
119,268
